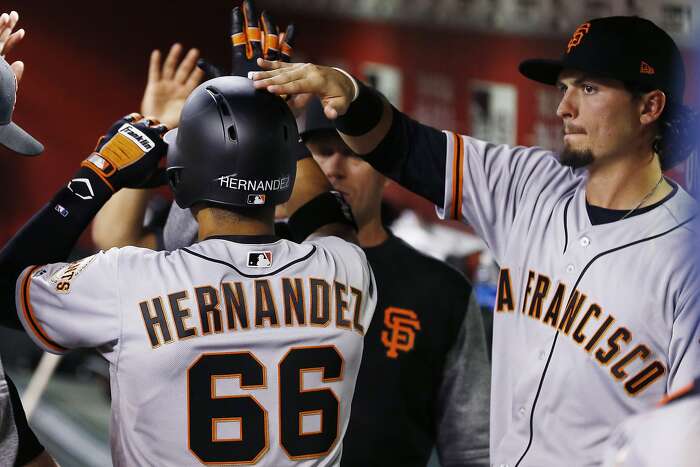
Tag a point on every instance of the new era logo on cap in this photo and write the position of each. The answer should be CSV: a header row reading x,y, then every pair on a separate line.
x,y
259,259
646,69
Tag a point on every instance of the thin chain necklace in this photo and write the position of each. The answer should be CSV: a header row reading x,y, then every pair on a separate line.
x,y
648,195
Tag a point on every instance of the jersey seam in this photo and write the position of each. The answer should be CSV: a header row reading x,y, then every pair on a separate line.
x,y
253,276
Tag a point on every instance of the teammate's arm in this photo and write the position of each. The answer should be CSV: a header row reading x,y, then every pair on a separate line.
x,y
127,156
310,199
410,153
464,394
120,221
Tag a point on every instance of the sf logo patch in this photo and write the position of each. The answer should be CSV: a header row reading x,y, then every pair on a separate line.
x,y
400,334
577,36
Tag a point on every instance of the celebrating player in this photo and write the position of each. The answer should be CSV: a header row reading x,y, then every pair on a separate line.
x,y
597,313
414,332
18,444
214,357
425,371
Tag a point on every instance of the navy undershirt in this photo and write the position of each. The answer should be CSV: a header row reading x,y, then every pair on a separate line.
x,y
599,215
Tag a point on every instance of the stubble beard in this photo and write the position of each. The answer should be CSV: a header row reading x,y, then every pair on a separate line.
x,y
575,158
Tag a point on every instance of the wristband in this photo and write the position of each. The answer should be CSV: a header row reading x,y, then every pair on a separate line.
x,y
355,86
327,208
363,114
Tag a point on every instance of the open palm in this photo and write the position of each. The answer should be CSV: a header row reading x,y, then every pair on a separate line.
x,y
169,85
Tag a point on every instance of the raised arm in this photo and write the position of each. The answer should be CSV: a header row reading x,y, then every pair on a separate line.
x,y
410,153
120,221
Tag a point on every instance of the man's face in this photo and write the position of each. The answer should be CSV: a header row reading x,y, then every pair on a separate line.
x,y
361,185
600,117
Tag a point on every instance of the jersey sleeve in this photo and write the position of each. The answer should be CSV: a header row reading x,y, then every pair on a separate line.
x,y
488,185
64,306
684,348
350,267
463,397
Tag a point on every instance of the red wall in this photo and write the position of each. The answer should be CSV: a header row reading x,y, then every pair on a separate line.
x,y
86,66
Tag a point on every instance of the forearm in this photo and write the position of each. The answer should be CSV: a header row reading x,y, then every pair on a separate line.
x,y
410,153
310,183
50,234
120,221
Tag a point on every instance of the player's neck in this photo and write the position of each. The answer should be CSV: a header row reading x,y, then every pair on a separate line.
x,y
372,233
625,183
211,224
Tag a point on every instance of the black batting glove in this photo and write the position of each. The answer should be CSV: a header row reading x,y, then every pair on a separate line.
x,y
252,38
128,156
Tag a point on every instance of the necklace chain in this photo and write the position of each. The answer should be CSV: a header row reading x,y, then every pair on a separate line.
x,y
646,197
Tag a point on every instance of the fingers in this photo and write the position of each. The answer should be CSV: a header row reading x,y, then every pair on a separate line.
x,y
196,77
239,41
187,65
170,62
252,30
154,66
272,65
209,70
270,36
287,44
18,69
133,117
7,38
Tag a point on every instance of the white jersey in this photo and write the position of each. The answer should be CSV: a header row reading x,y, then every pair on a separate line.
x,y
592,323
221,353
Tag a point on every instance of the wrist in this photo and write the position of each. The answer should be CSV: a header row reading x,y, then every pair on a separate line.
x,y
364,112
353,81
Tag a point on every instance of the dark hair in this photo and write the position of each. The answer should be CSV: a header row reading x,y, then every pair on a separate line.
x,y
679,127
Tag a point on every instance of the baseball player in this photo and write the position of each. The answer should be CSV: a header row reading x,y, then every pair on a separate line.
x,y
18,444
425,371
596,316
213,358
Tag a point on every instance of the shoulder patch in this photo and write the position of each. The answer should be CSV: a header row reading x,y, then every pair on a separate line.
x,y
63,278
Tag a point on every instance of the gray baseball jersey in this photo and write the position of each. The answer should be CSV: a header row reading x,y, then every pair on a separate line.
x,y
220,353
592,323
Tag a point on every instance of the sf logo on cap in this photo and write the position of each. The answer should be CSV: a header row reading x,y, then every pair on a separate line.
x,y
578,35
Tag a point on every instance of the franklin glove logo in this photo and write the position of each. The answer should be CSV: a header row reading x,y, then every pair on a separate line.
x,y
401,330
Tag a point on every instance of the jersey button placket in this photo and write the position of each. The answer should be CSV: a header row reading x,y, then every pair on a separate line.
x,y
584,242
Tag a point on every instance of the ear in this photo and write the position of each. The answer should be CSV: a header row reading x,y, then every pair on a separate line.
x,y
652,106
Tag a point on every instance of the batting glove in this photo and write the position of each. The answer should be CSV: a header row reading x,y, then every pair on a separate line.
x,y
129,154
252,38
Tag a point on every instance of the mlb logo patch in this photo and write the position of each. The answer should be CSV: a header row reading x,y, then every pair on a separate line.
x,y
259,259
256,199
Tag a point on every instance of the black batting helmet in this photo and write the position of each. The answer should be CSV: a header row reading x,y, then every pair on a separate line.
x,y
234,146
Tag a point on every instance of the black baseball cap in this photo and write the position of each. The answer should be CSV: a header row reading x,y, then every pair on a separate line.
x,y
313,120
626,48
12,136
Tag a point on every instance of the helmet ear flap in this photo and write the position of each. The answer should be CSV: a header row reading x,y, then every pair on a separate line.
x,y
174,178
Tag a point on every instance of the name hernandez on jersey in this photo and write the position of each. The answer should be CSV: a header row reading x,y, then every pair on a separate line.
x,y
228,305
213,358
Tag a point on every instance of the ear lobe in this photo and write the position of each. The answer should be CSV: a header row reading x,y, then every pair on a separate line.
x,y
653,105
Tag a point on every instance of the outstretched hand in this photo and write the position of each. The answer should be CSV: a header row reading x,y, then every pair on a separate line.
x,y
301,80
253,37
9,39
169,84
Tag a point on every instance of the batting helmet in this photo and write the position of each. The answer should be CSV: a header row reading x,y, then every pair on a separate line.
x,y
234,146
